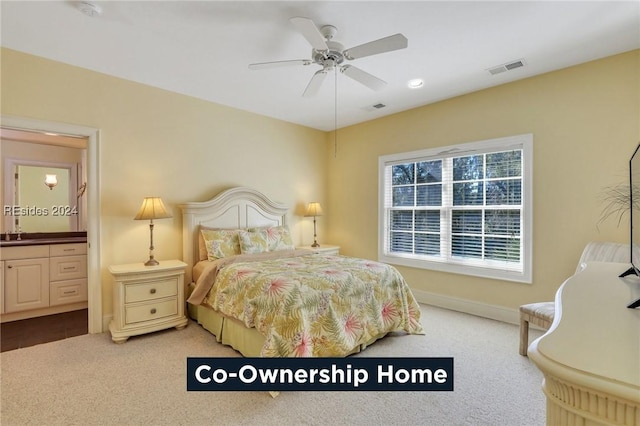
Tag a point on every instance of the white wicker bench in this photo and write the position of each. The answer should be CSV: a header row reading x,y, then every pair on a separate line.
x,y
541,313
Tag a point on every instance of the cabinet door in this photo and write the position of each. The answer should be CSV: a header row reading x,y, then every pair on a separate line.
x,y
26,284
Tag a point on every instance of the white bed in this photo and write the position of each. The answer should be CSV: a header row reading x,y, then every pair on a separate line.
x,y
240,208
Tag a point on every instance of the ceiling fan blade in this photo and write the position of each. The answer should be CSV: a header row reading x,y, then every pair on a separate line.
x,y
277,64
387,44
363,77
310,31
315,83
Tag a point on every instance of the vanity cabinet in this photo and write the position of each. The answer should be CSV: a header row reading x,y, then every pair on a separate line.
x,y
26,278
37,278
67,273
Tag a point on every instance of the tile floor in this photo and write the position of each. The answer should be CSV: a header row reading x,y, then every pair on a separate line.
x,y
33,331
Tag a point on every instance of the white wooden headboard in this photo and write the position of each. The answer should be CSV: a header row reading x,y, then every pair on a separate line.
x,y
234,208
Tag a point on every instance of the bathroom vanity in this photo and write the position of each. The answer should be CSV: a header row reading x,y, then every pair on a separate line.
x,y
43,275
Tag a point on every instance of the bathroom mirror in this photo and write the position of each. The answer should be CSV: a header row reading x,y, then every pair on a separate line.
x,y
41,196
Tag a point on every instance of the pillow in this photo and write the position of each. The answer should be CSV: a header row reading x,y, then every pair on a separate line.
x,y
202,248
279,238
220,243
253,242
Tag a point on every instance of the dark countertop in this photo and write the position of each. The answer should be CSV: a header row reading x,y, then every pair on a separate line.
x,y
34,239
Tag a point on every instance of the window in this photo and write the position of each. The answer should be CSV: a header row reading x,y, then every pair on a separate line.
x,y
463,209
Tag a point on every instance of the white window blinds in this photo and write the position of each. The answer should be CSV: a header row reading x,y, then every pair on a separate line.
x,y
466,206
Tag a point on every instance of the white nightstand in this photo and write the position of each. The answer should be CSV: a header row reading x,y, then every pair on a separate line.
x,y
323,249
147,298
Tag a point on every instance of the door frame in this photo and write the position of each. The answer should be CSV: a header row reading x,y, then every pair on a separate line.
x,y
93,203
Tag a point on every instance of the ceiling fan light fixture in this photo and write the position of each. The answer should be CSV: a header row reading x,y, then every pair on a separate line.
x,y
415,83
330,55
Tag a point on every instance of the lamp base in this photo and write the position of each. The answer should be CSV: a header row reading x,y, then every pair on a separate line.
x,y
315,244
151,262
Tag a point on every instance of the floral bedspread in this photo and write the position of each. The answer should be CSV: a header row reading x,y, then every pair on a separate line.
x,y
315,305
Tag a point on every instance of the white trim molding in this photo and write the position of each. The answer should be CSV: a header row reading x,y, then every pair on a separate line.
x,y
93,202
494,312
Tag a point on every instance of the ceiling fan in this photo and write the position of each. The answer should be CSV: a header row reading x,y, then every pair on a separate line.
x,y
331,54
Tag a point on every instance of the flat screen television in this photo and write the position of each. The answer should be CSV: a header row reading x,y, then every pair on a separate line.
x,y
634,218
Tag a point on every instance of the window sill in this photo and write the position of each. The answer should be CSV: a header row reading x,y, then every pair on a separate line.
x,y
463,269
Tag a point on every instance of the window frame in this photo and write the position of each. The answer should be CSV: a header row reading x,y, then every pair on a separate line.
x,y
486,269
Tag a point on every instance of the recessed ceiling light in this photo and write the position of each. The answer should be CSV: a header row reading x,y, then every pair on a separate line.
x,y
416,83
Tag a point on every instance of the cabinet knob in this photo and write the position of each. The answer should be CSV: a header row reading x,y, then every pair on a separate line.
x,y
10,266
152,291
153,311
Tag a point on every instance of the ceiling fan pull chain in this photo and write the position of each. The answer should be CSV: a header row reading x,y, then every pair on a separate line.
x,y
335,114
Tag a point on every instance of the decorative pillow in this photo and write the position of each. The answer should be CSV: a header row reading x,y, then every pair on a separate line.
x,y
253,242
279,238
221,243
202,248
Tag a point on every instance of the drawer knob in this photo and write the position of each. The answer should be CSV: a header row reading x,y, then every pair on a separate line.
x,y
153,311
10,266
152,291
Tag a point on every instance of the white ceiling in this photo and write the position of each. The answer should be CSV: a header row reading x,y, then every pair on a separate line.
x,y
202,49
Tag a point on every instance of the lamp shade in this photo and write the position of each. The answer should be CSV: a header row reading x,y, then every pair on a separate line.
x,y
314,209
50,180
152,208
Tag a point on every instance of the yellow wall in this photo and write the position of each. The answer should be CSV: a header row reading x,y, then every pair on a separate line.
x,y
157,143
585,124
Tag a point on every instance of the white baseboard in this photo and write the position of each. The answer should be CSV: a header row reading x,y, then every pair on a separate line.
x,y
106,319
494,312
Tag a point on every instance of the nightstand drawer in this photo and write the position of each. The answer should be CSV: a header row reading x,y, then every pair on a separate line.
x,y
151,311
151,290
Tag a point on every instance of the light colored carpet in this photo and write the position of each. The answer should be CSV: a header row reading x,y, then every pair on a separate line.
x,y
88,380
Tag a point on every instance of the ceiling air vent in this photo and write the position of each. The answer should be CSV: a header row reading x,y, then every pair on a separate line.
x,y
506,67
374,107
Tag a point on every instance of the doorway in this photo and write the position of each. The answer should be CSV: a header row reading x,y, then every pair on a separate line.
x,y
91,135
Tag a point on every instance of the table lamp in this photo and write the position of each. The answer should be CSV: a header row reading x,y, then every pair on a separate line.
x,y
314,209
152,208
